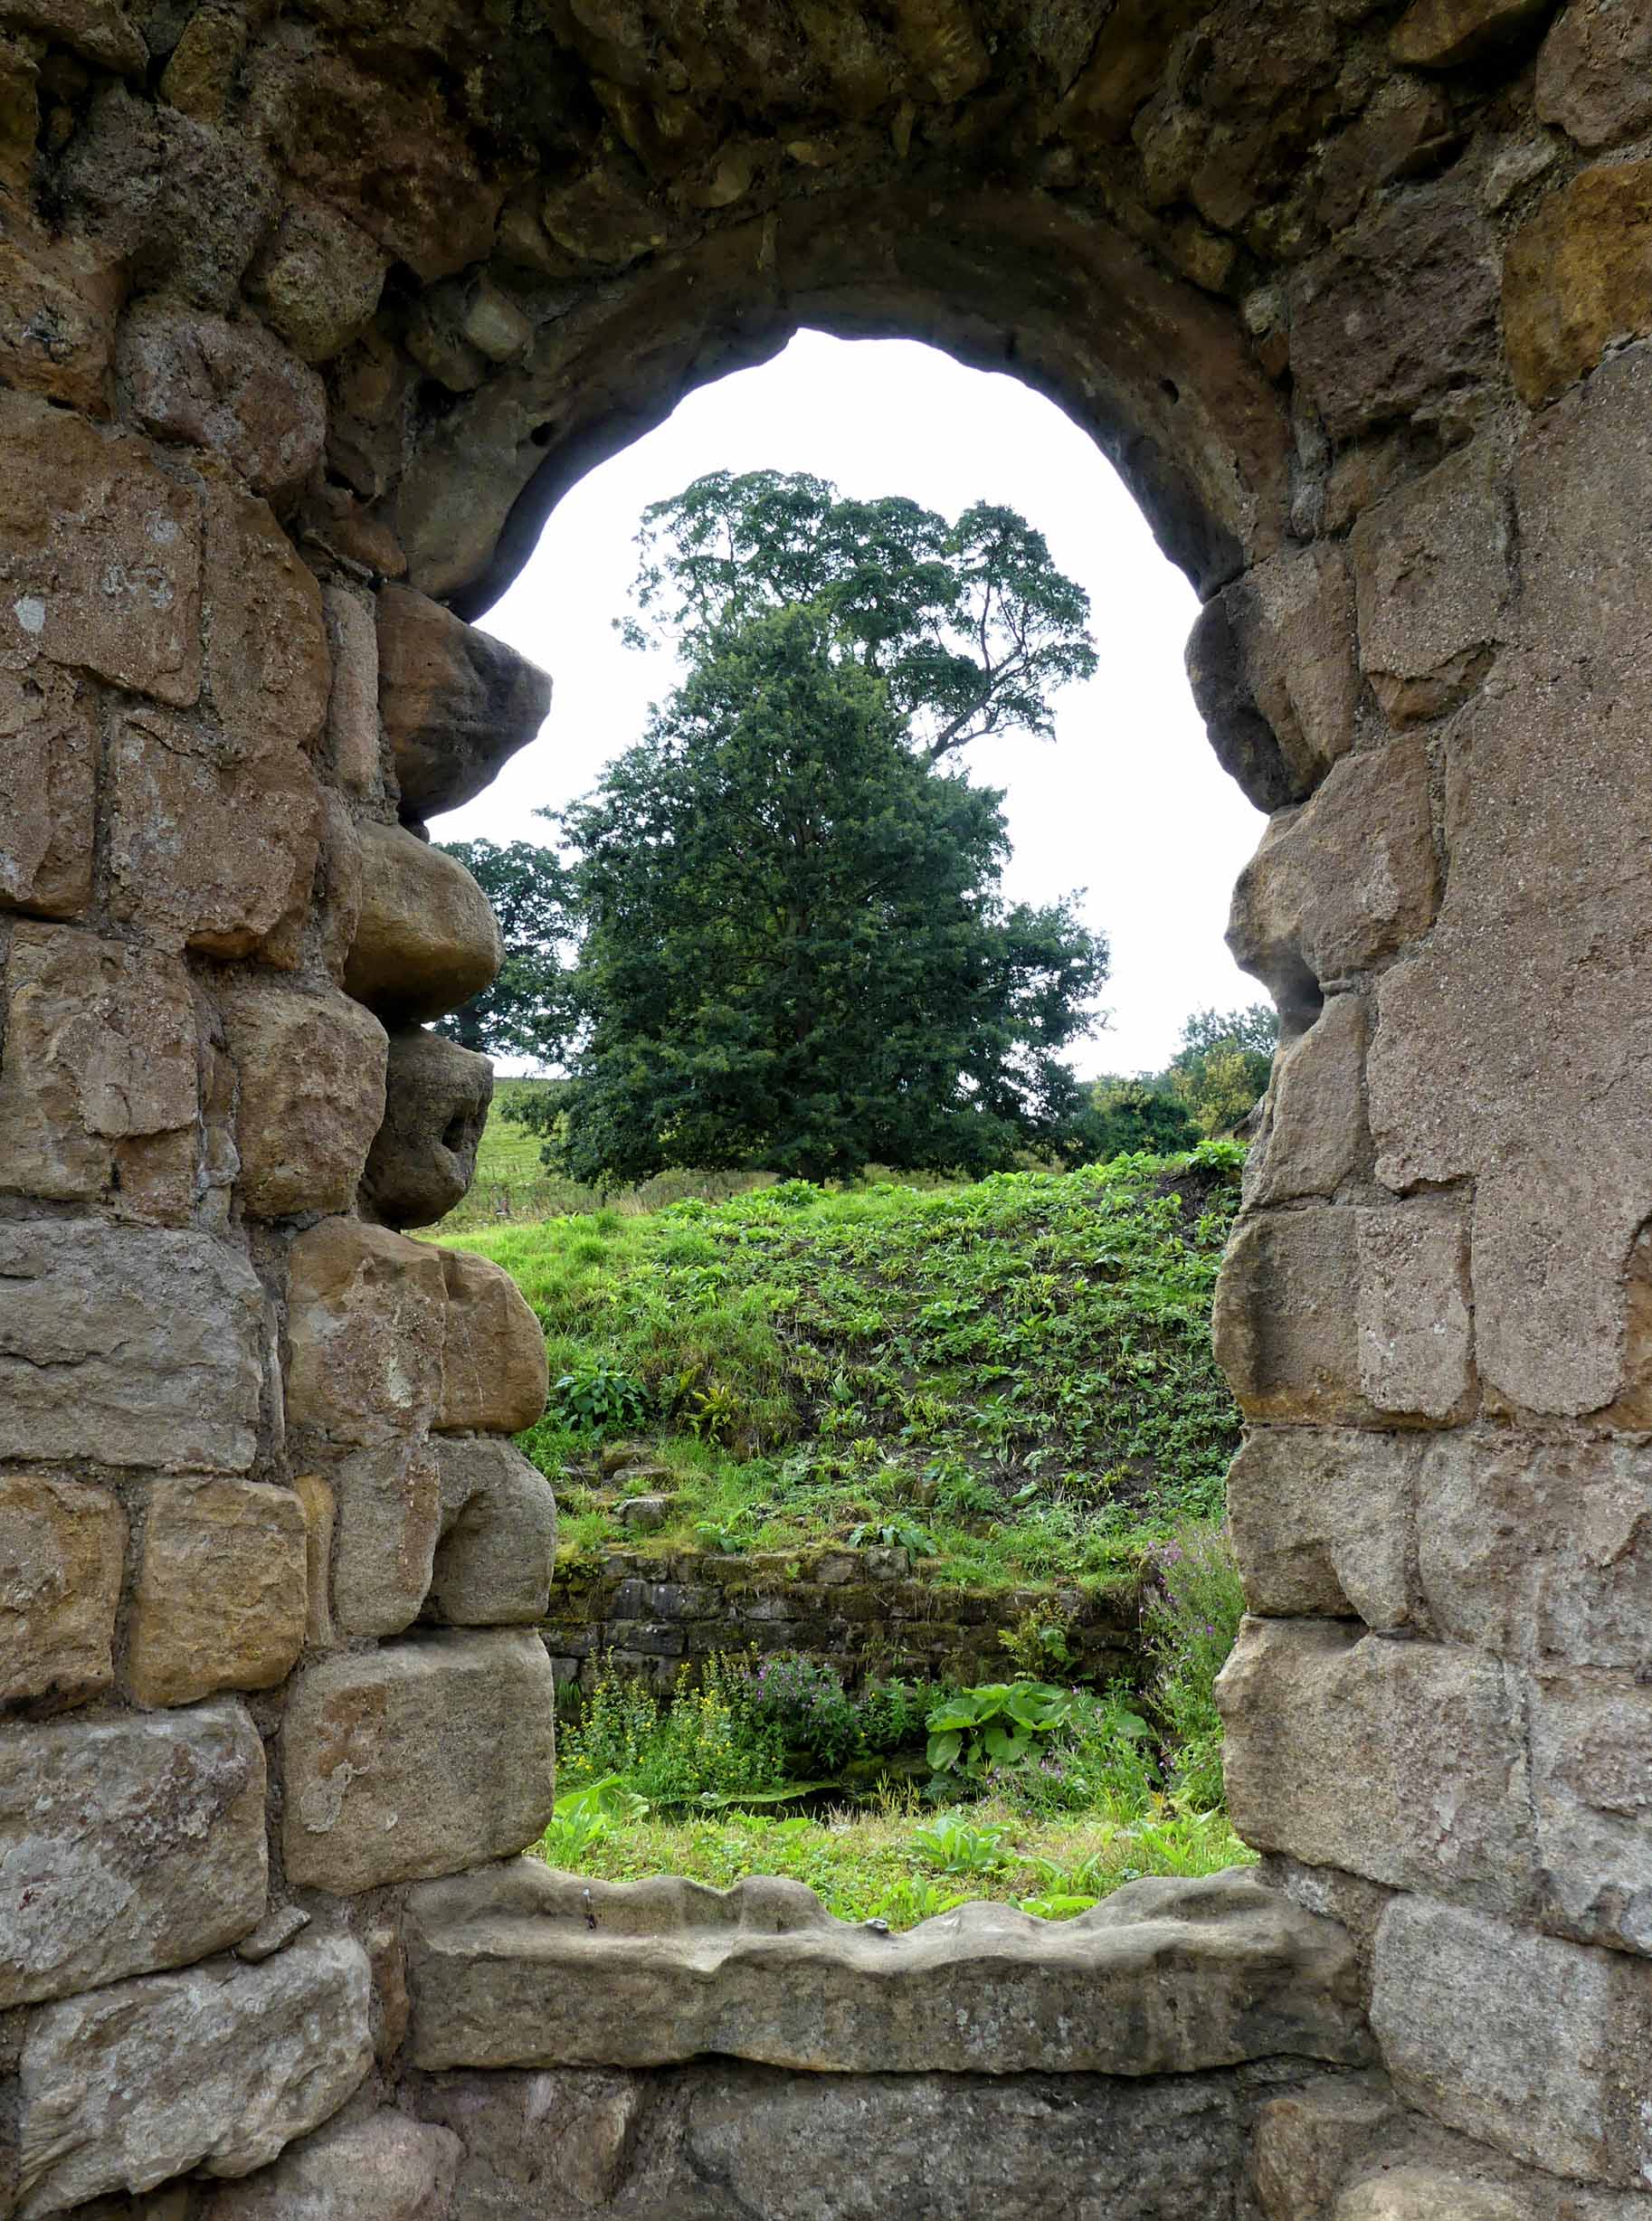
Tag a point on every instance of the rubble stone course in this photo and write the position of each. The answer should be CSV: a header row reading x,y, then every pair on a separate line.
x,y
308,314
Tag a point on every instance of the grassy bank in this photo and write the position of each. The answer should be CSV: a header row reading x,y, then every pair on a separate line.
x,y
1012,1379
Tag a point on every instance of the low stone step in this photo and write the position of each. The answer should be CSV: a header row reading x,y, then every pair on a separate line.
x,y
521,1966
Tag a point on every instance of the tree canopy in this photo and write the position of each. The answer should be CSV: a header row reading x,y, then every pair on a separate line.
x,y
1223,1064
796,954
526,1012
969,625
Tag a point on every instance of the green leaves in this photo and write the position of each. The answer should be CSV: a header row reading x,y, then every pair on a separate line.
x,y
996,1723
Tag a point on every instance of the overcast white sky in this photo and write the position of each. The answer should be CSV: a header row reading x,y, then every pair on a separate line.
x,y
1128,802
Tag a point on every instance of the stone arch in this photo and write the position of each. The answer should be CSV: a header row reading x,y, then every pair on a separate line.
x,y
307,312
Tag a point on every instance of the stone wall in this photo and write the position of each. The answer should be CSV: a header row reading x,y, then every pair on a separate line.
x,y
651,1616
308,311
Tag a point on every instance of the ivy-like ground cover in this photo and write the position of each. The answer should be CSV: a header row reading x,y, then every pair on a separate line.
x,y
1013,1378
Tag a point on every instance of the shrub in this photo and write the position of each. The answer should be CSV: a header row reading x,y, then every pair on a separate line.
x,y
1100,1760
810,1708
602,1399
706,1742
1191,1620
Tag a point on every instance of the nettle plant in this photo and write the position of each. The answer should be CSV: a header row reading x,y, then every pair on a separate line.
x,y
998,1723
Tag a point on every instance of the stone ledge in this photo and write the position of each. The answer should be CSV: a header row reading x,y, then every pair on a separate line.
x,y
520,1966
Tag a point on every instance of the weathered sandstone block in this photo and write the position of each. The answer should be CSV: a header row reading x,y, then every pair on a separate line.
x,y
311,1095
1594,74
1306,2139
63,1548
48,767
99,30
267,660
1271,662
423,1157
1539,1550
126,1845
1321,1520
456,703
426,941
366,1315
214,854
421,1759
1440,34
1315,1138
221,1590
1404,311
101,562
318,278
494,1373
497,1551
1538,2047
231,388
352,710
316,1497
132,1348
1579,276
59,299
1403,1761
1328,1314
1433,568
100,1082
384,2169
388,1514
508,1970
1429,2194
219,2068
1591,1790
1341,883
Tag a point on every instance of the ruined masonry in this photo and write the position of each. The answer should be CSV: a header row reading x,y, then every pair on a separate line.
x,y
309,309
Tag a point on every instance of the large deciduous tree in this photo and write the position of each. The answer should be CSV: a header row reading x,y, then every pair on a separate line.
x,y
526,1012
970,625
796,953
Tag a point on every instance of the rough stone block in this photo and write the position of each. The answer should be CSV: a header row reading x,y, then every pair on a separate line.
x,y
267,661
1341,883
59,299
101,562
126,1845
494,1373
1429,2194
319,1510
387,1514
1594,74
63,1549
1304,2142
311,1097
100,1083
1403,1761
455,702
212,853
385,2168
424,1158
1433,571
525,1966
1403,316
221,1590
497,1552
99,30
1325,1315
231,388
1314,1137
1321,1521
318,278
1539,1549
352,711
421,1759
1540,2047
1576,277
1271,663
1440,34
426,941
48,770
219,2068
1592,1789
366,1315
129,1347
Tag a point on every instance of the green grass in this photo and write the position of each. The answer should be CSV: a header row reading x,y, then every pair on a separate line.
x,y
1017,1374
893,1863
